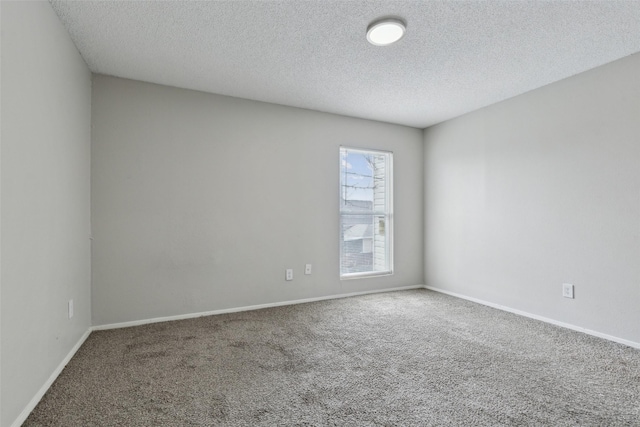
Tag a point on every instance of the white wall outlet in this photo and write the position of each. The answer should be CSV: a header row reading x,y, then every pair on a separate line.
x,y
289,274
70,308
567,290
307,269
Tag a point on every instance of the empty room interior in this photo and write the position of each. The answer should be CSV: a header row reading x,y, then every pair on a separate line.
x,y
320,213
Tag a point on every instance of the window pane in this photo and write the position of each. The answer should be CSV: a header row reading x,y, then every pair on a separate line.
x,y
364,244
363,181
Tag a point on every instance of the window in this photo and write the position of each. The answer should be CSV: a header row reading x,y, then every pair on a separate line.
x,y
366,221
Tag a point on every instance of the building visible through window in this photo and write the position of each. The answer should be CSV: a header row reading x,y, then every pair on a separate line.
x,y
365,212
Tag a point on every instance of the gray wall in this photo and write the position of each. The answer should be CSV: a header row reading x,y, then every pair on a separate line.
x,y
200,202
46,101
540,190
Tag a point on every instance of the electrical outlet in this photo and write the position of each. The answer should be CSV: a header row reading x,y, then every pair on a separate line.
x,y
289,274
307,269
70,308
567,290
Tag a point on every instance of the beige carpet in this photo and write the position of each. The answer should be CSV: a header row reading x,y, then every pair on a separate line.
x,y
411,358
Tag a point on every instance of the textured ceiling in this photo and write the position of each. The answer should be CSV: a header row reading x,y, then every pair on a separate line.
x,y
456,56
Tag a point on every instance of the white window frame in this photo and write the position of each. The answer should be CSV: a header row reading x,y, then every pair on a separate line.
x,y
387,213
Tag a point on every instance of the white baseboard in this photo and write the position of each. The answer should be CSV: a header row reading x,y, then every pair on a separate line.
x,y
541,318
36,399
38,396
245,308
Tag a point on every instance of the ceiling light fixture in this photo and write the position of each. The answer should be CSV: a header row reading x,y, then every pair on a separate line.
x,y
385,31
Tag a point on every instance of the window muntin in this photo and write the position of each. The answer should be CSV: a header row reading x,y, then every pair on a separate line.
x,y
366,207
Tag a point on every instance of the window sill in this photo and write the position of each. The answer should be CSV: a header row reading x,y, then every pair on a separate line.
x,y
366,275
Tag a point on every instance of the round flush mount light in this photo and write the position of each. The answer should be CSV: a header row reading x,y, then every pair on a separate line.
x,y
385,31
